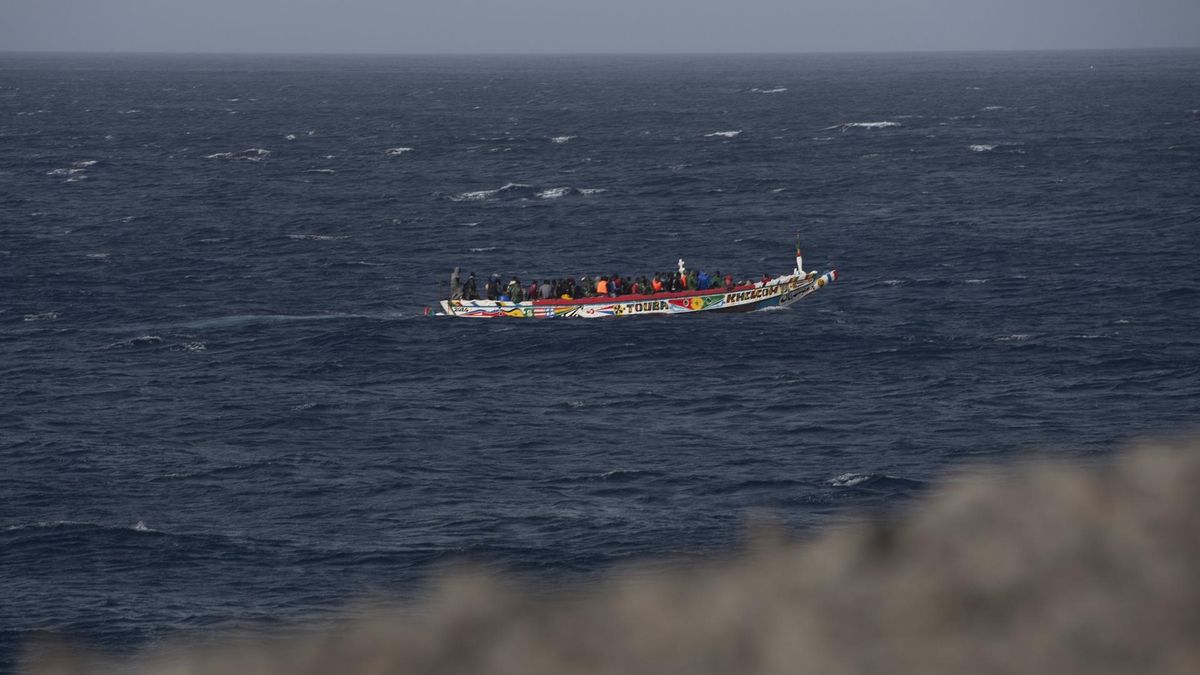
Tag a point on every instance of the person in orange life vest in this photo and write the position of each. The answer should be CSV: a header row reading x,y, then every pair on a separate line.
x,y
602,286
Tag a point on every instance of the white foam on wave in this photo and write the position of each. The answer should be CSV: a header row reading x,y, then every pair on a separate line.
x,y
591,191
981,147
775,90
97,256
290,137
136,342
484,249
249,154
845,126
317,237
553,193
75,172
561,139
976,281
850,479
991,108
822,139
479,195
396,152
42,316
723,134
319,171
1015,337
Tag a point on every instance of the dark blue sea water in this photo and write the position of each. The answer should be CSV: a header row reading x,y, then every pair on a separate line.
x,y
220,402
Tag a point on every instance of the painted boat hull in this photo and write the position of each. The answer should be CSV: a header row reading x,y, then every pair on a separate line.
x,y
778,292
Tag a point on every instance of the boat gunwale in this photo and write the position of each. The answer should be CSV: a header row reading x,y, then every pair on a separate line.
x,y
640,297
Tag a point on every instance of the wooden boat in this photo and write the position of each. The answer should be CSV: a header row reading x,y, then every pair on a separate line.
x,y
780,291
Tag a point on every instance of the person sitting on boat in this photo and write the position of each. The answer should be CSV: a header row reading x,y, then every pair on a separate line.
x,y
615,286
693,279
656,284
455,286
470,291
702,280
602,286
728,282
545,291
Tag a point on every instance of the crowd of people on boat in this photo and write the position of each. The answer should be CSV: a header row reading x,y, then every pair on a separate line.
x,y
568,288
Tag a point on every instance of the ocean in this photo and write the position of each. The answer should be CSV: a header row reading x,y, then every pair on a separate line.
x,y
223,405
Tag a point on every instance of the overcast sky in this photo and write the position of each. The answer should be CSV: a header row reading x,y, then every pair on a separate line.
x,y
610,26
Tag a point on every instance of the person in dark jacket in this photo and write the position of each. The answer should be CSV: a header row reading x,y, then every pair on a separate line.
x,y
455,285
470,291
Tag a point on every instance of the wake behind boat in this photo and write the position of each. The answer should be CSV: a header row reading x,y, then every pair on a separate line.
x,y
688,293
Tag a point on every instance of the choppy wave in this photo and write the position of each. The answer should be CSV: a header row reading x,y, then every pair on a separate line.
x,y
724,134
522,191
317,237
556,192
139,341
74,173
562,139
41,316
981,147
480,195
396,152
249,154
846,126
775,90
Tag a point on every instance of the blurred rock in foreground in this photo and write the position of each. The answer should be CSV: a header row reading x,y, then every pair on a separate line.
x,y
1036,570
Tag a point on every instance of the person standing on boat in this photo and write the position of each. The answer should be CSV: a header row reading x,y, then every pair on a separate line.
x,y
455,286
514,290
470,291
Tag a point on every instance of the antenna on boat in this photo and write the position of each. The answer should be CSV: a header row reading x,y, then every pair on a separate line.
x,y
799,257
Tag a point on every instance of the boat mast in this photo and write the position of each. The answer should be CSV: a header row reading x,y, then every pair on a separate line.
x,y
799,257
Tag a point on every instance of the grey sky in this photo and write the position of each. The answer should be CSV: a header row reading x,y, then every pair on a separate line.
x,y
644,26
